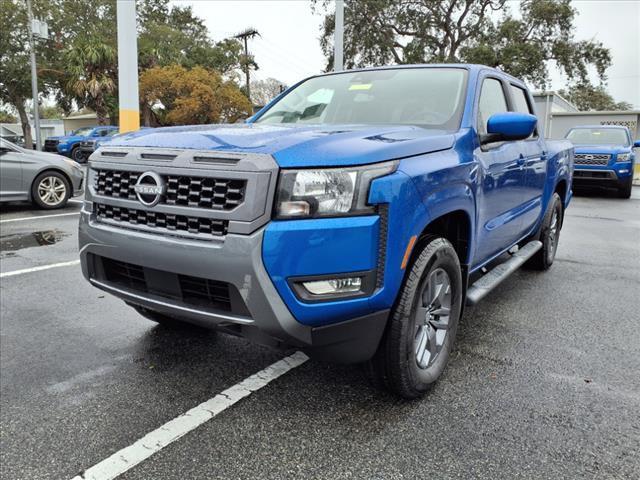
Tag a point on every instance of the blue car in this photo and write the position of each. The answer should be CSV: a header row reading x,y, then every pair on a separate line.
x,y
604,157
353,217
69,145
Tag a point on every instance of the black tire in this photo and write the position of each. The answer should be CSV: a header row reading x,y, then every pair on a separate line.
x,y
77,155
59,183
625,190
396,364
549,235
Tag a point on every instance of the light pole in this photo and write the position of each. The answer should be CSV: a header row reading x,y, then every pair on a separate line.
x,y
34,73
338,42
129,104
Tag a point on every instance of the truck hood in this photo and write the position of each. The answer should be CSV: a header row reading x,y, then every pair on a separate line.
x,y
298,146
69,138
602,149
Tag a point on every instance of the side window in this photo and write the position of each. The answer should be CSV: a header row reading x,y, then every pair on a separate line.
x,y
520,102
492,100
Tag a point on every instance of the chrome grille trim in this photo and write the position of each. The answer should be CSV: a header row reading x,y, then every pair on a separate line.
x,y
592,159
160,222
202,192
236,188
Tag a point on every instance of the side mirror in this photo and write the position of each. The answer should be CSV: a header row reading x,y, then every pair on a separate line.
x,y
509,126
636,144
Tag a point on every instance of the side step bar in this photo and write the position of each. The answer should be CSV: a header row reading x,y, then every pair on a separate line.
x,y
492,279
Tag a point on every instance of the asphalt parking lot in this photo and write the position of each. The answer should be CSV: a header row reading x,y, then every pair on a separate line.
x,y
544,381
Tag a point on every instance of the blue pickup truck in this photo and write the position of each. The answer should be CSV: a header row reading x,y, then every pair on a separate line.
x,y
69,145
353,217
604,157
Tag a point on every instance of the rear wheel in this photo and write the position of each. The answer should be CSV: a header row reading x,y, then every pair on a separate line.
x,y
549,235
625,190
416,346
50,190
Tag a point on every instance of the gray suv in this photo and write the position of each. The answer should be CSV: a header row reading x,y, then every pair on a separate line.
x,y
46,179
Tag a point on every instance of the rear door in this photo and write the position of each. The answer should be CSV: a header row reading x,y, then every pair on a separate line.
x,y
535,161
501,191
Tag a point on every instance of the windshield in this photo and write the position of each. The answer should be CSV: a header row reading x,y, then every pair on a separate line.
x,y
82,132
598,136
427,97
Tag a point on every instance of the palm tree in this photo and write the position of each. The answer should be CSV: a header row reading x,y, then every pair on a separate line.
x,y
91,74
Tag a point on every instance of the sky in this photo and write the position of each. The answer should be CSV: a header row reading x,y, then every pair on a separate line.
x,y
289,47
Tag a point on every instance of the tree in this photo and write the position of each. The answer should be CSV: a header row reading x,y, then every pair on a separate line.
x,y
588,97
91,67
263,91
174,95
51,112
379,32
15,76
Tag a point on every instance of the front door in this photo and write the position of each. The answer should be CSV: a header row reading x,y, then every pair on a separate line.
x,y
501,196
11,182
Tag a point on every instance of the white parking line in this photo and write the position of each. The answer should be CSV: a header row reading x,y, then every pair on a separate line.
x,y
39,269
153,442
37,217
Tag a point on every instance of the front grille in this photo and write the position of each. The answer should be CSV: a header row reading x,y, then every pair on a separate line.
x,y
589,159
51,145
169,222
125,274
205,292
195,291
186,191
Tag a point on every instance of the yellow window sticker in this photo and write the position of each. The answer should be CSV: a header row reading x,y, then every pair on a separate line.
x,y
360,86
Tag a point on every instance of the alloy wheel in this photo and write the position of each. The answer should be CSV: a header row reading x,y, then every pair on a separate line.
x,y
52,191
432,318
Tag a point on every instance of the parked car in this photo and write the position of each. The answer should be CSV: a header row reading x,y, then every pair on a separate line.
x,y
352,217
604,157
69,145
90,145
46,179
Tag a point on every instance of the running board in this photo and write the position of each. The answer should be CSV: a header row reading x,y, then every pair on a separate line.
x,y
492,279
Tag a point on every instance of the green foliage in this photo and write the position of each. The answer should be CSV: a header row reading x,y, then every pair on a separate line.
x,y
78,63
588,97
7,117
91,73
51,112
379,32
174,95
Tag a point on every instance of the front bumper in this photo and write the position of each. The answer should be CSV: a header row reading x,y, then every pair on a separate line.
x,y
259,312
615,176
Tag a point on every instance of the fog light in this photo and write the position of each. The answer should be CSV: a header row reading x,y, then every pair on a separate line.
x,y
334,285
624,170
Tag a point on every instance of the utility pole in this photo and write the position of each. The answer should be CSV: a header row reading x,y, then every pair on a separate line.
x,y
34,79
338,42
245,36
129,104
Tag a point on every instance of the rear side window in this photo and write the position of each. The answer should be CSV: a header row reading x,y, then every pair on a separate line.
x,y
492,100
520,102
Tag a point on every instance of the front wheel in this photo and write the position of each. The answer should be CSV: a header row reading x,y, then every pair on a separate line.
x,y
78,155
416,345
625,190
50,190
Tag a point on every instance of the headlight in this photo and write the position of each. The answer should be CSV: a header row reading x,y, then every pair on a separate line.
x,y
327,192
73,164
623,157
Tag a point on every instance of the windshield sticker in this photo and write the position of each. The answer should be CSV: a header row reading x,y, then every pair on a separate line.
x,y
361,86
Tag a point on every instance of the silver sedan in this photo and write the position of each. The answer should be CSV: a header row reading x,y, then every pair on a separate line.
x,y
46,179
